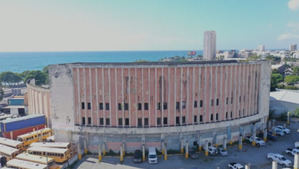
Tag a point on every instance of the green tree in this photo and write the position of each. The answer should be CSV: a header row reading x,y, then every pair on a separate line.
x,y
296,70
10,77
39,76
291,79
275,79
1,93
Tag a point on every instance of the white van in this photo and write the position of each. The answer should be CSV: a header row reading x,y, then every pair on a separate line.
x,y
152,155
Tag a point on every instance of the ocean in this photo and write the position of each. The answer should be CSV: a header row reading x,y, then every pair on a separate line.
x,y
22,61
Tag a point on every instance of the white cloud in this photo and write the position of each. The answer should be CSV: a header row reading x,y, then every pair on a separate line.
x,y
293,4
287,36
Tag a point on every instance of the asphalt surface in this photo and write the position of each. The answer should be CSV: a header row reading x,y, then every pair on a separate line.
x,y
255,156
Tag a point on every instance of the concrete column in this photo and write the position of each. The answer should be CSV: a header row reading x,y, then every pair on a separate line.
x,y
100,153
143,152
162,147
288,120
254,135
182,146
165,152
247,166
199,144
186,150
123,148
104,149
296,161
121,155
240,142
79,152
265,134
85,147
206,148
274,165
11,134
224,143
215,139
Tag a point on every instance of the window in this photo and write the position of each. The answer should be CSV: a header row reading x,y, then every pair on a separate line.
x,y
82,105
145,106
120,121
227,100
159,121
139,106
231,114
200,103
165,105
89,120
212,102
159,106
101,121
107,106
195,104
217,117
217,102
165,120
83,120
178,105
119,106
200,118
226,115
145,121
126,106
212,117
177,120
88,106
231,100
139,122
239,113
183,104
107,121
195,119
101,106
183,119
127,122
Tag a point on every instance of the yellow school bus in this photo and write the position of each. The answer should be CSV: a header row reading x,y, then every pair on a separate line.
x,y
8,152
35,136
59,155
12,143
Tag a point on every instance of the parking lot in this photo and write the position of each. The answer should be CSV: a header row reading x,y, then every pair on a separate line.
x,y
256,156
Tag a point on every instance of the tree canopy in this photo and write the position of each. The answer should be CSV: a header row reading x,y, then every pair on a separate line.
x,y
291,79
1,93
39,76
10,77
275,79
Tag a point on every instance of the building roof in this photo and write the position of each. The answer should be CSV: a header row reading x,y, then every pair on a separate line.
x,y
34,158
37,131
25,164
47,149
291,96
22,118
7,150
9,142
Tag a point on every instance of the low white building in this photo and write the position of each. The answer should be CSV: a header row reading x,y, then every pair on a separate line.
x,y
284,101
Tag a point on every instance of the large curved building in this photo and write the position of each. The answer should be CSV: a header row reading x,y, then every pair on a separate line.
x,y
154,102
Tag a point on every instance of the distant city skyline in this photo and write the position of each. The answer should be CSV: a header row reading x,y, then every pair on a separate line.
x,y
105,25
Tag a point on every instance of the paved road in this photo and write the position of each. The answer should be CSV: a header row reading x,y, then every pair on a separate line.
x,y
253,155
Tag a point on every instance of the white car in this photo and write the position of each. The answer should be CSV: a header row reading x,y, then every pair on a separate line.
x,y
279,132
285,130
212,150
235,166
280,159
152,155
223,152
258,141
292,151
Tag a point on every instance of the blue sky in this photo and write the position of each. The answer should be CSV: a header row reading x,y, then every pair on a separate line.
x,y
70,25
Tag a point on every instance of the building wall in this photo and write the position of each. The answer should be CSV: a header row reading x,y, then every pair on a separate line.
x,y
38,100
240,88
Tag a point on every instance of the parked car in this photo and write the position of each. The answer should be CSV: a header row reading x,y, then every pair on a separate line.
x,y
152,155
292,151
137,156
258,141
271,137
222,152
279,132
296,144
235,166
212,150
285,130
280,159
193,154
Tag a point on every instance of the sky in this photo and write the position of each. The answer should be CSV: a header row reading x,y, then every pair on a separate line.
x,y
107,25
